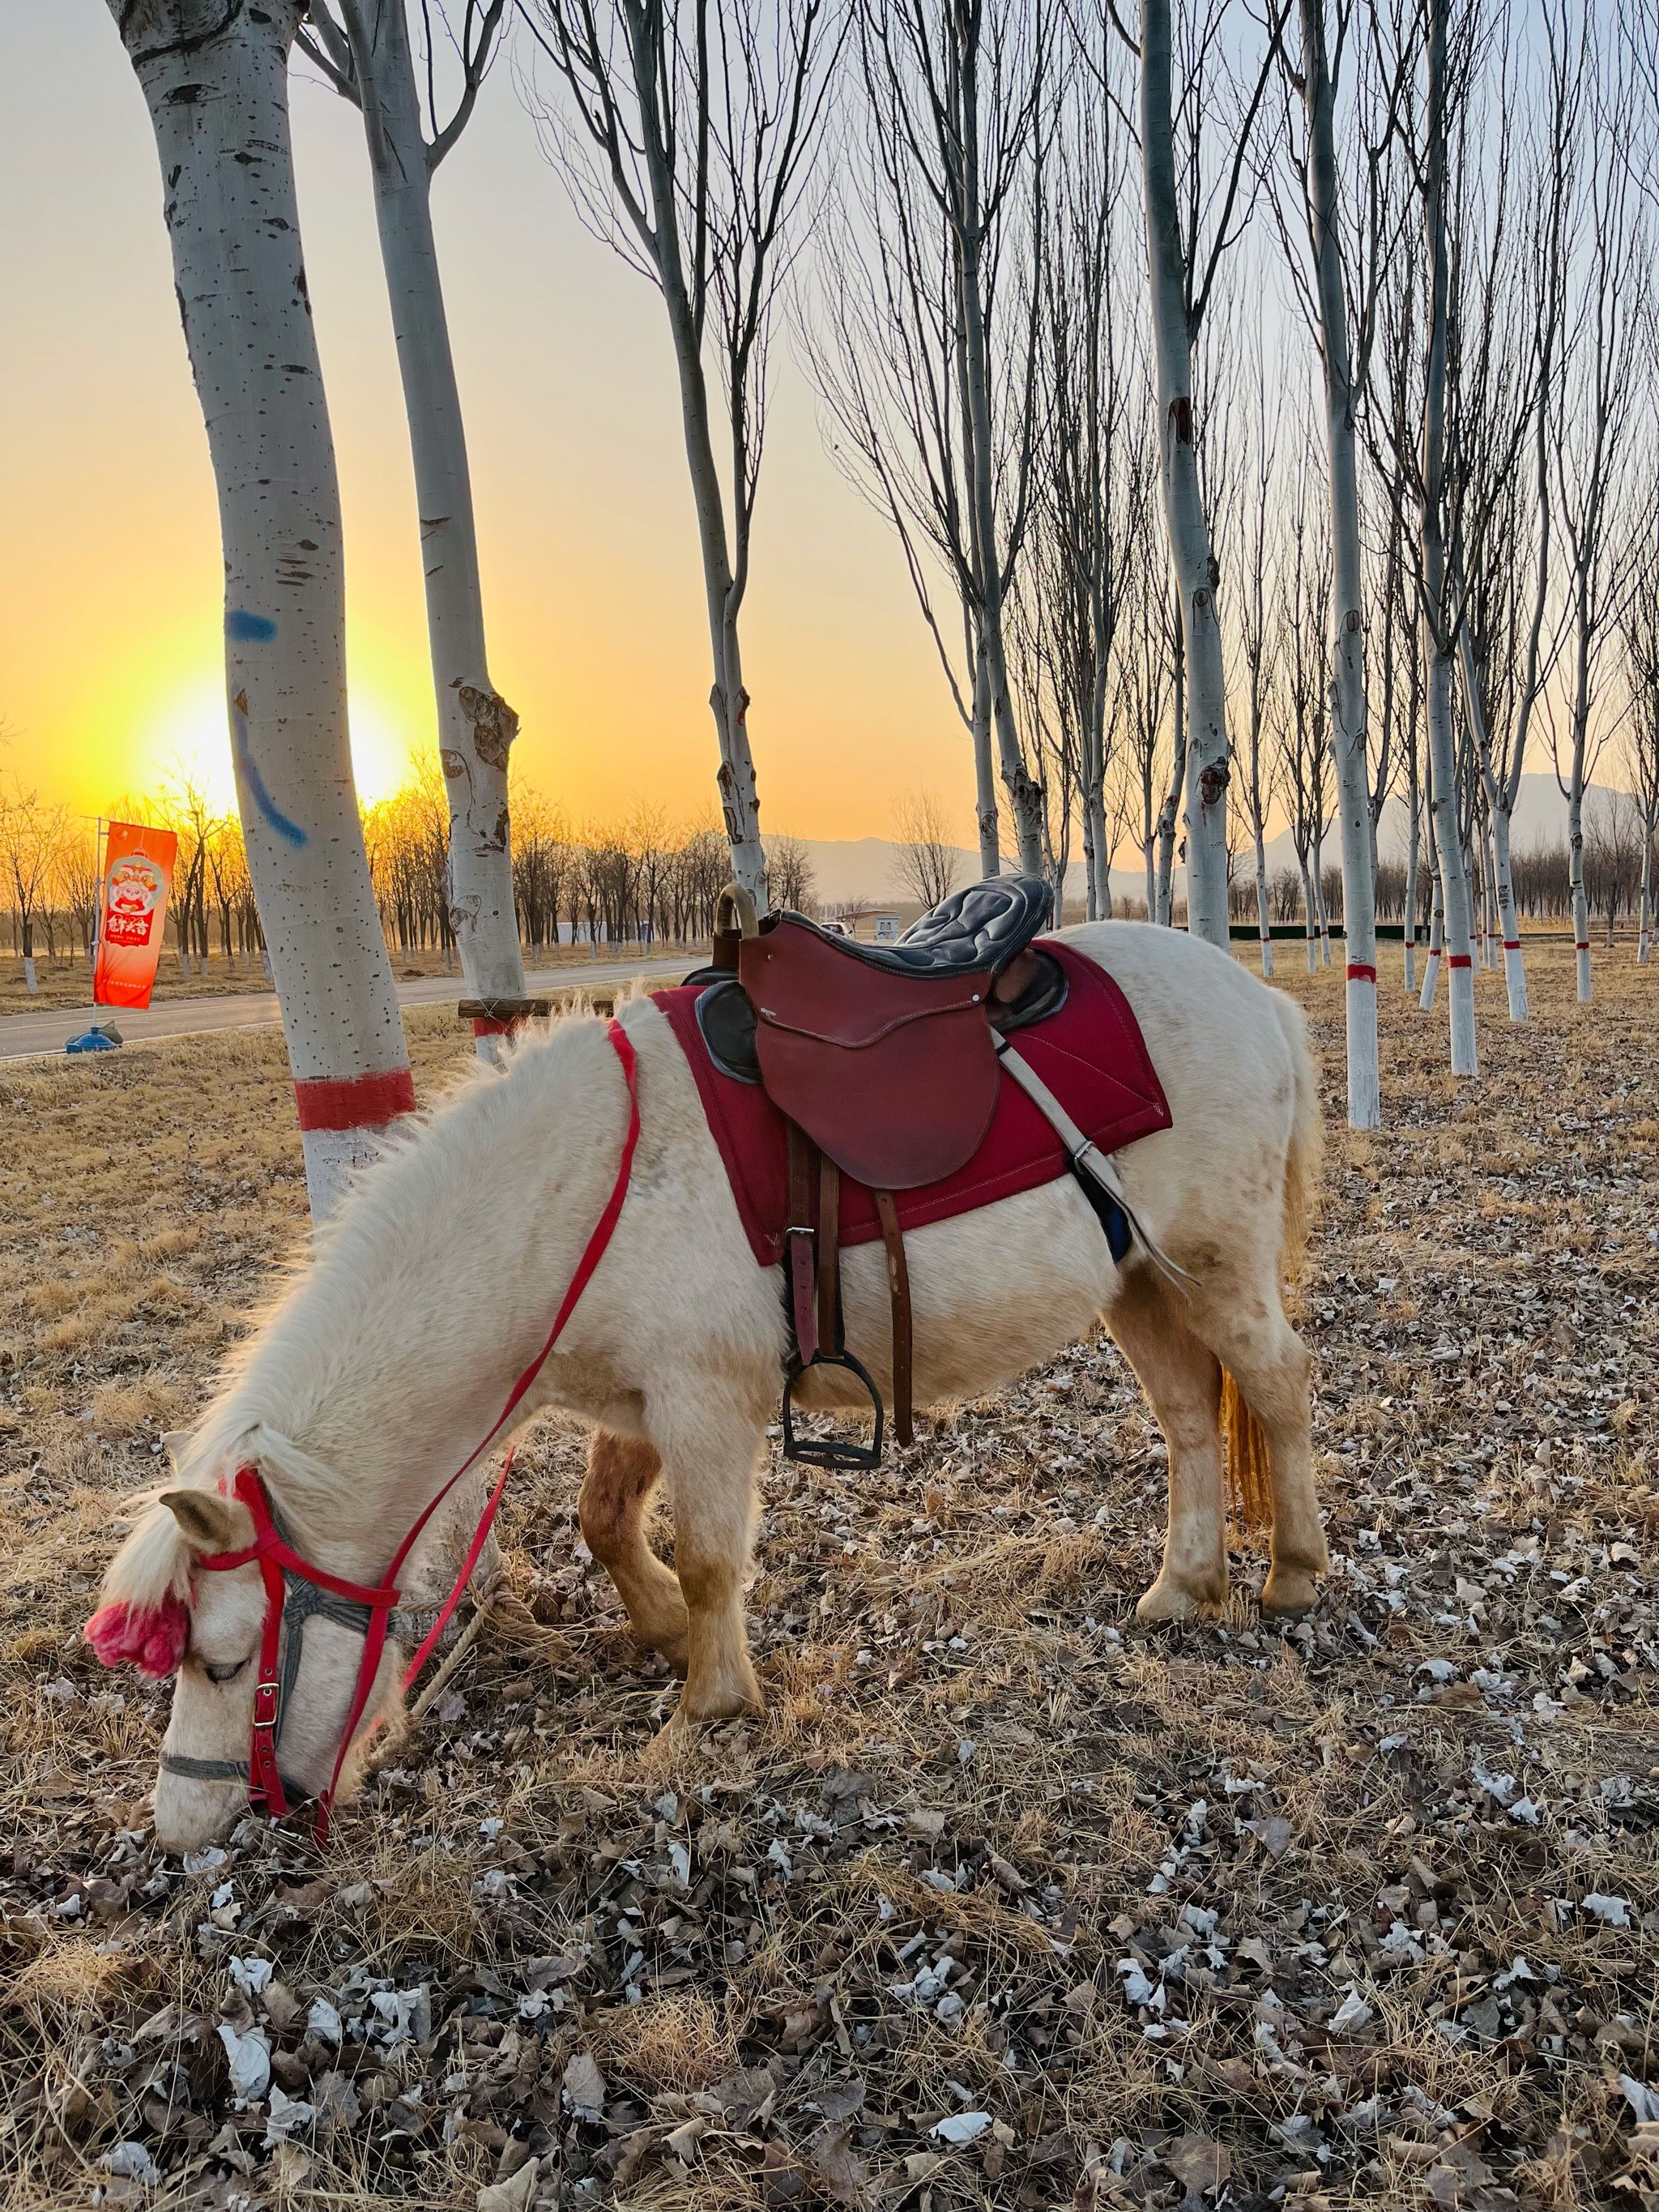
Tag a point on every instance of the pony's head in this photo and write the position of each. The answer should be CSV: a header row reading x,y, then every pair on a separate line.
x,y
164,1616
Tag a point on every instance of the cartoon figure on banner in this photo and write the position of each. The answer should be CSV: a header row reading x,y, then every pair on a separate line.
x,y
133,912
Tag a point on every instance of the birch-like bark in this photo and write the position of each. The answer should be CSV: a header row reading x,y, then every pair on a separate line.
x,y
1515,974
1348,742
215,81
987,813
1024,792
1414,800
1319,895
1452,879
1168,815
1436,899
476,725
1310,914
1205,767
1581,935
1489,893
1258,828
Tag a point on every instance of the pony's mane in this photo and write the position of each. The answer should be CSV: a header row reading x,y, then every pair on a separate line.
x,y
250,1416
153,1565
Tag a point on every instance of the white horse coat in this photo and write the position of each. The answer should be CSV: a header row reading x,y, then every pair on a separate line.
x,y
391,1353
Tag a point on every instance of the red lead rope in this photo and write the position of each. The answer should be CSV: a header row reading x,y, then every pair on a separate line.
x,y
274,1555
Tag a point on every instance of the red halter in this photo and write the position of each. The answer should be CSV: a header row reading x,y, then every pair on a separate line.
x,y
277,1560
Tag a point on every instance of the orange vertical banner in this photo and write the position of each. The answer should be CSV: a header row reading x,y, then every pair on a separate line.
x,y
132,912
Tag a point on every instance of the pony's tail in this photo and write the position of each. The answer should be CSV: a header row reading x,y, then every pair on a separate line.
x,y
1246,1453
1246,1444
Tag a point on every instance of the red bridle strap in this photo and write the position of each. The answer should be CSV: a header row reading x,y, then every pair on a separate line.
x,y
275,1557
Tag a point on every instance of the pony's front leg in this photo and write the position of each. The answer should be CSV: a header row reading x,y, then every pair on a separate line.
x,y
1183,1380
614,1506
709,1441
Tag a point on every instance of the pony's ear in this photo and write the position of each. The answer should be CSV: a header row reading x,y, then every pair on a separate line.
x,y
207,1521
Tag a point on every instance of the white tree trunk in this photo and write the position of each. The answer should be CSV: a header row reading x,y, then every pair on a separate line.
x,y
987,812
1193,561
1310,914
1409,927
1164,913
1263,914
1515,974
1436,908
1024,793
1453,880
216,85
476,725
1348,718
1581,933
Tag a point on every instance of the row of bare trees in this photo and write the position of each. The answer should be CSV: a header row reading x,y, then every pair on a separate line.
x,y
1258,401
640,881
1386,384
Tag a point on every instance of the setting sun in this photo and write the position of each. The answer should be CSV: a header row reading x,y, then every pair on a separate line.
x,y
182,739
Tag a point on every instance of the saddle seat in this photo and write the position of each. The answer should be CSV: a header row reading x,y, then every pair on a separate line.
x,y
883,1054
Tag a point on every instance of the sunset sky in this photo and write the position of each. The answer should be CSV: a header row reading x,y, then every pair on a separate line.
x,y
109,574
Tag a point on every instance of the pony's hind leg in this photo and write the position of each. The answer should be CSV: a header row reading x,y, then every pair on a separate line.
x,y
614,1506
1268,1361
709,1443
1182,1381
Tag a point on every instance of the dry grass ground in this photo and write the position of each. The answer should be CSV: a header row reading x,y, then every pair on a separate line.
x,y
1001,1904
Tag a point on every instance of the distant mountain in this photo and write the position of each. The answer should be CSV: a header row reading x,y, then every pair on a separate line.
x,y
866,869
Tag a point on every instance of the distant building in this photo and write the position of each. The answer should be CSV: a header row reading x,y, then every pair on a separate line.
x,y
853,918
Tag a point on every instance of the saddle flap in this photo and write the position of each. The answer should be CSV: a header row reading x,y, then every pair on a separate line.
x,y
895,1077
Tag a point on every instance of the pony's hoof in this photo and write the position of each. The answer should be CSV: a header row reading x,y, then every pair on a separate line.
x,y
1167,1601
1288,1593
673,1647
727,1702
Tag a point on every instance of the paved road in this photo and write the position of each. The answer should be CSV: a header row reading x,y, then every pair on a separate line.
x,y
25,1035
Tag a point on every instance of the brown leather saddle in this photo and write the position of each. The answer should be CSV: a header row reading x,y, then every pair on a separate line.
x,y
882,1060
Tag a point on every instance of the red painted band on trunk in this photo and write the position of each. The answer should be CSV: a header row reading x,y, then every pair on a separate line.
x,y
1458,960
486,1025
356,1102
1359,973
1584,947
1511,944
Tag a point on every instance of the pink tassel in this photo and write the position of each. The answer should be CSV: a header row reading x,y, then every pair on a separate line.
x,y
152,1639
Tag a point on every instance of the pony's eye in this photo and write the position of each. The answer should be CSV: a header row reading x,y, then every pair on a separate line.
x,y
225,1670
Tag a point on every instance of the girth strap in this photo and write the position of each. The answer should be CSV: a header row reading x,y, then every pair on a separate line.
x,y
799,1238
830,1325
898,1286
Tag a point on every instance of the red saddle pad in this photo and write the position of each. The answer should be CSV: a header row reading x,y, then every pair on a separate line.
x,y
1091,1054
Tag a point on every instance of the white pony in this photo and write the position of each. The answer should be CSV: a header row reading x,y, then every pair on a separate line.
x,y
390,1355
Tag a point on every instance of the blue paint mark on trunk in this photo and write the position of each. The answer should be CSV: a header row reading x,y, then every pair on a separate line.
x,y
249,628
248,773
